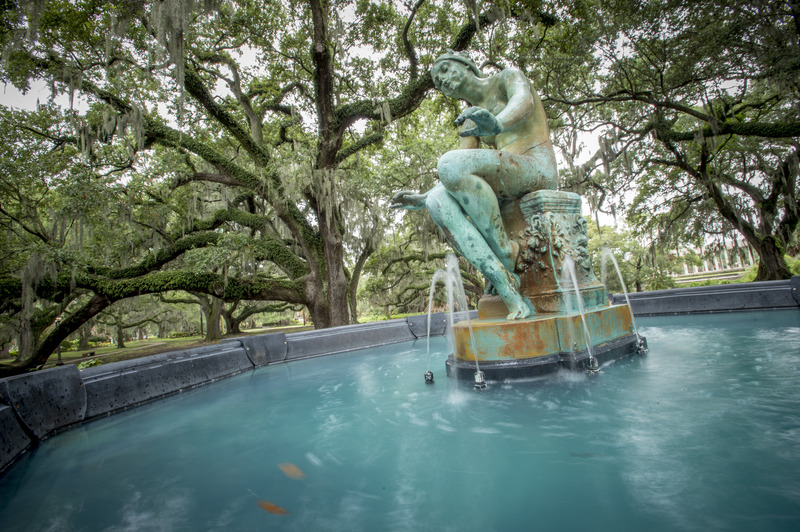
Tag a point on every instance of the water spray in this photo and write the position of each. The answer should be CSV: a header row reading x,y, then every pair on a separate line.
x,y
593,366
640,344
456,298
439,275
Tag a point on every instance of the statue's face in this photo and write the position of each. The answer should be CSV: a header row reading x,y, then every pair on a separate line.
x,y
448,77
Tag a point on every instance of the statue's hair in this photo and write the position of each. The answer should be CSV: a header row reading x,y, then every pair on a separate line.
x,y
460,57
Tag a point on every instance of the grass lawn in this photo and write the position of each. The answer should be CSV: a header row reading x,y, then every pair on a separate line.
x,y
132,349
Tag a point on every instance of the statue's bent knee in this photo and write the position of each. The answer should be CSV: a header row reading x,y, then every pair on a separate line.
x,y
451,168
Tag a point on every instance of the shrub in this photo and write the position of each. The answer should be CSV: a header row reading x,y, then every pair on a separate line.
x,y
794,265
89,363
68,345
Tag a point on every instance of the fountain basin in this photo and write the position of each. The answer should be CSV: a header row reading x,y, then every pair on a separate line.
x,y
699,435
512,349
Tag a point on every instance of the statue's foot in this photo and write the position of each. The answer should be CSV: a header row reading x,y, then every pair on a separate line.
x,y
517,307
519,312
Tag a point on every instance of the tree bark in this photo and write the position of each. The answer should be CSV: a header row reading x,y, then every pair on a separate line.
x,y
771,263
48,345
120,335
83,342
213,310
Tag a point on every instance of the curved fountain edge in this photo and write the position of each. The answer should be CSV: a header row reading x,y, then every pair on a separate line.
x,y
764,295
38,405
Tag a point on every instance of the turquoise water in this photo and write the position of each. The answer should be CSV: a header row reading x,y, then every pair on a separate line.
x,y
701,434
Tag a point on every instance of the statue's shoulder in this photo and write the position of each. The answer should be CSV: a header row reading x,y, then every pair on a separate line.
x,y
512,74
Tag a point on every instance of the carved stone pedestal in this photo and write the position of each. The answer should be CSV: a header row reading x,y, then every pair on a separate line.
x,y
548,226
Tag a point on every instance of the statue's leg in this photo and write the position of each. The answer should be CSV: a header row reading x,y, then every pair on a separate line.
x,y
462,233
475,178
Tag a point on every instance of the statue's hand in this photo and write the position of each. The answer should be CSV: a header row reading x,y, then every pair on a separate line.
x,y
406,199
486,124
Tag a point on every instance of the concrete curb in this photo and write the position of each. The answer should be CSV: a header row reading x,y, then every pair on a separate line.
x,y
118,386
418,325
722,298
13,439
348,338
46,401
265,348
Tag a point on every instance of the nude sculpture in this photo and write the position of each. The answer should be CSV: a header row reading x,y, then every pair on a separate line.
x,y
507,114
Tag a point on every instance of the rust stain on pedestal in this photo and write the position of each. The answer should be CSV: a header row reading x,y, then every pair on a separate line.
x,y
501,340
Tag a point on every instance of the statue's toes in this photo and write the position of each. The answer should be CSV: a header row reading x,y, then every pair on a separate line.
x,y
519,313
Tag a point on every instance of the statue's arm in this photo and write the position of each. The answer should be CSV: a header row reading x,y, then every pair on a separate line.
x,y
521,102
520,108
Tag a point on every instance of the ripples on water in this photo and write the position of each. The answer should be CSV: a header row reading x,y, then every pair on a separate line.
x,y
703,433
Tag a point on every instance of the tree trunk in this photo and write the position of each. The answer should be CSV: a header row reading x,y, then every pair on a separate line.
x,y
338,301
27,340
51,341
337,308
232,325
353,304
638,279
319,313
120,336
330,308
772,264
213,331
83,339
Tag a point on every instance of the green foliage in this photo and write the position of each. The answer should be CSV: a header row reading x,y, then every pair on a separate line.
x,y
697,109
794,265
640,266
90,363
263,171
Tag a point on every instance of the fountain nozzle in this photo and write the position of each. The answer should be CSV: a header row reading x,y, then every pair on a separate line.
x,y
641,346
428,377
480,381
593,366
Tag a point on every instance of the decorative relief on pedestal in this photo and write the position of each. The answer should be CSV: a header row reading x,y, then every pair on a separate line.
x,y
554,230
534,244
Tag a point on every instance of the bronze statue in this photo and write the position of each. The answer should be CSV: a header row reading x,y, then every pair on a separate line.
x,y
507,114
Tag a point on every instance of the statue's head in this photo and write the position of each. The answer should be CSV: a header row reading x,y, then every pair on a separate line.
x,y
449,69
459,57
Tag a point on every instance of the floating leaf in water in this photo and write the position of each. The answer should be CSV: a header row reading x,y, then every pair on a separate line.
x,y
292,471
272,508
